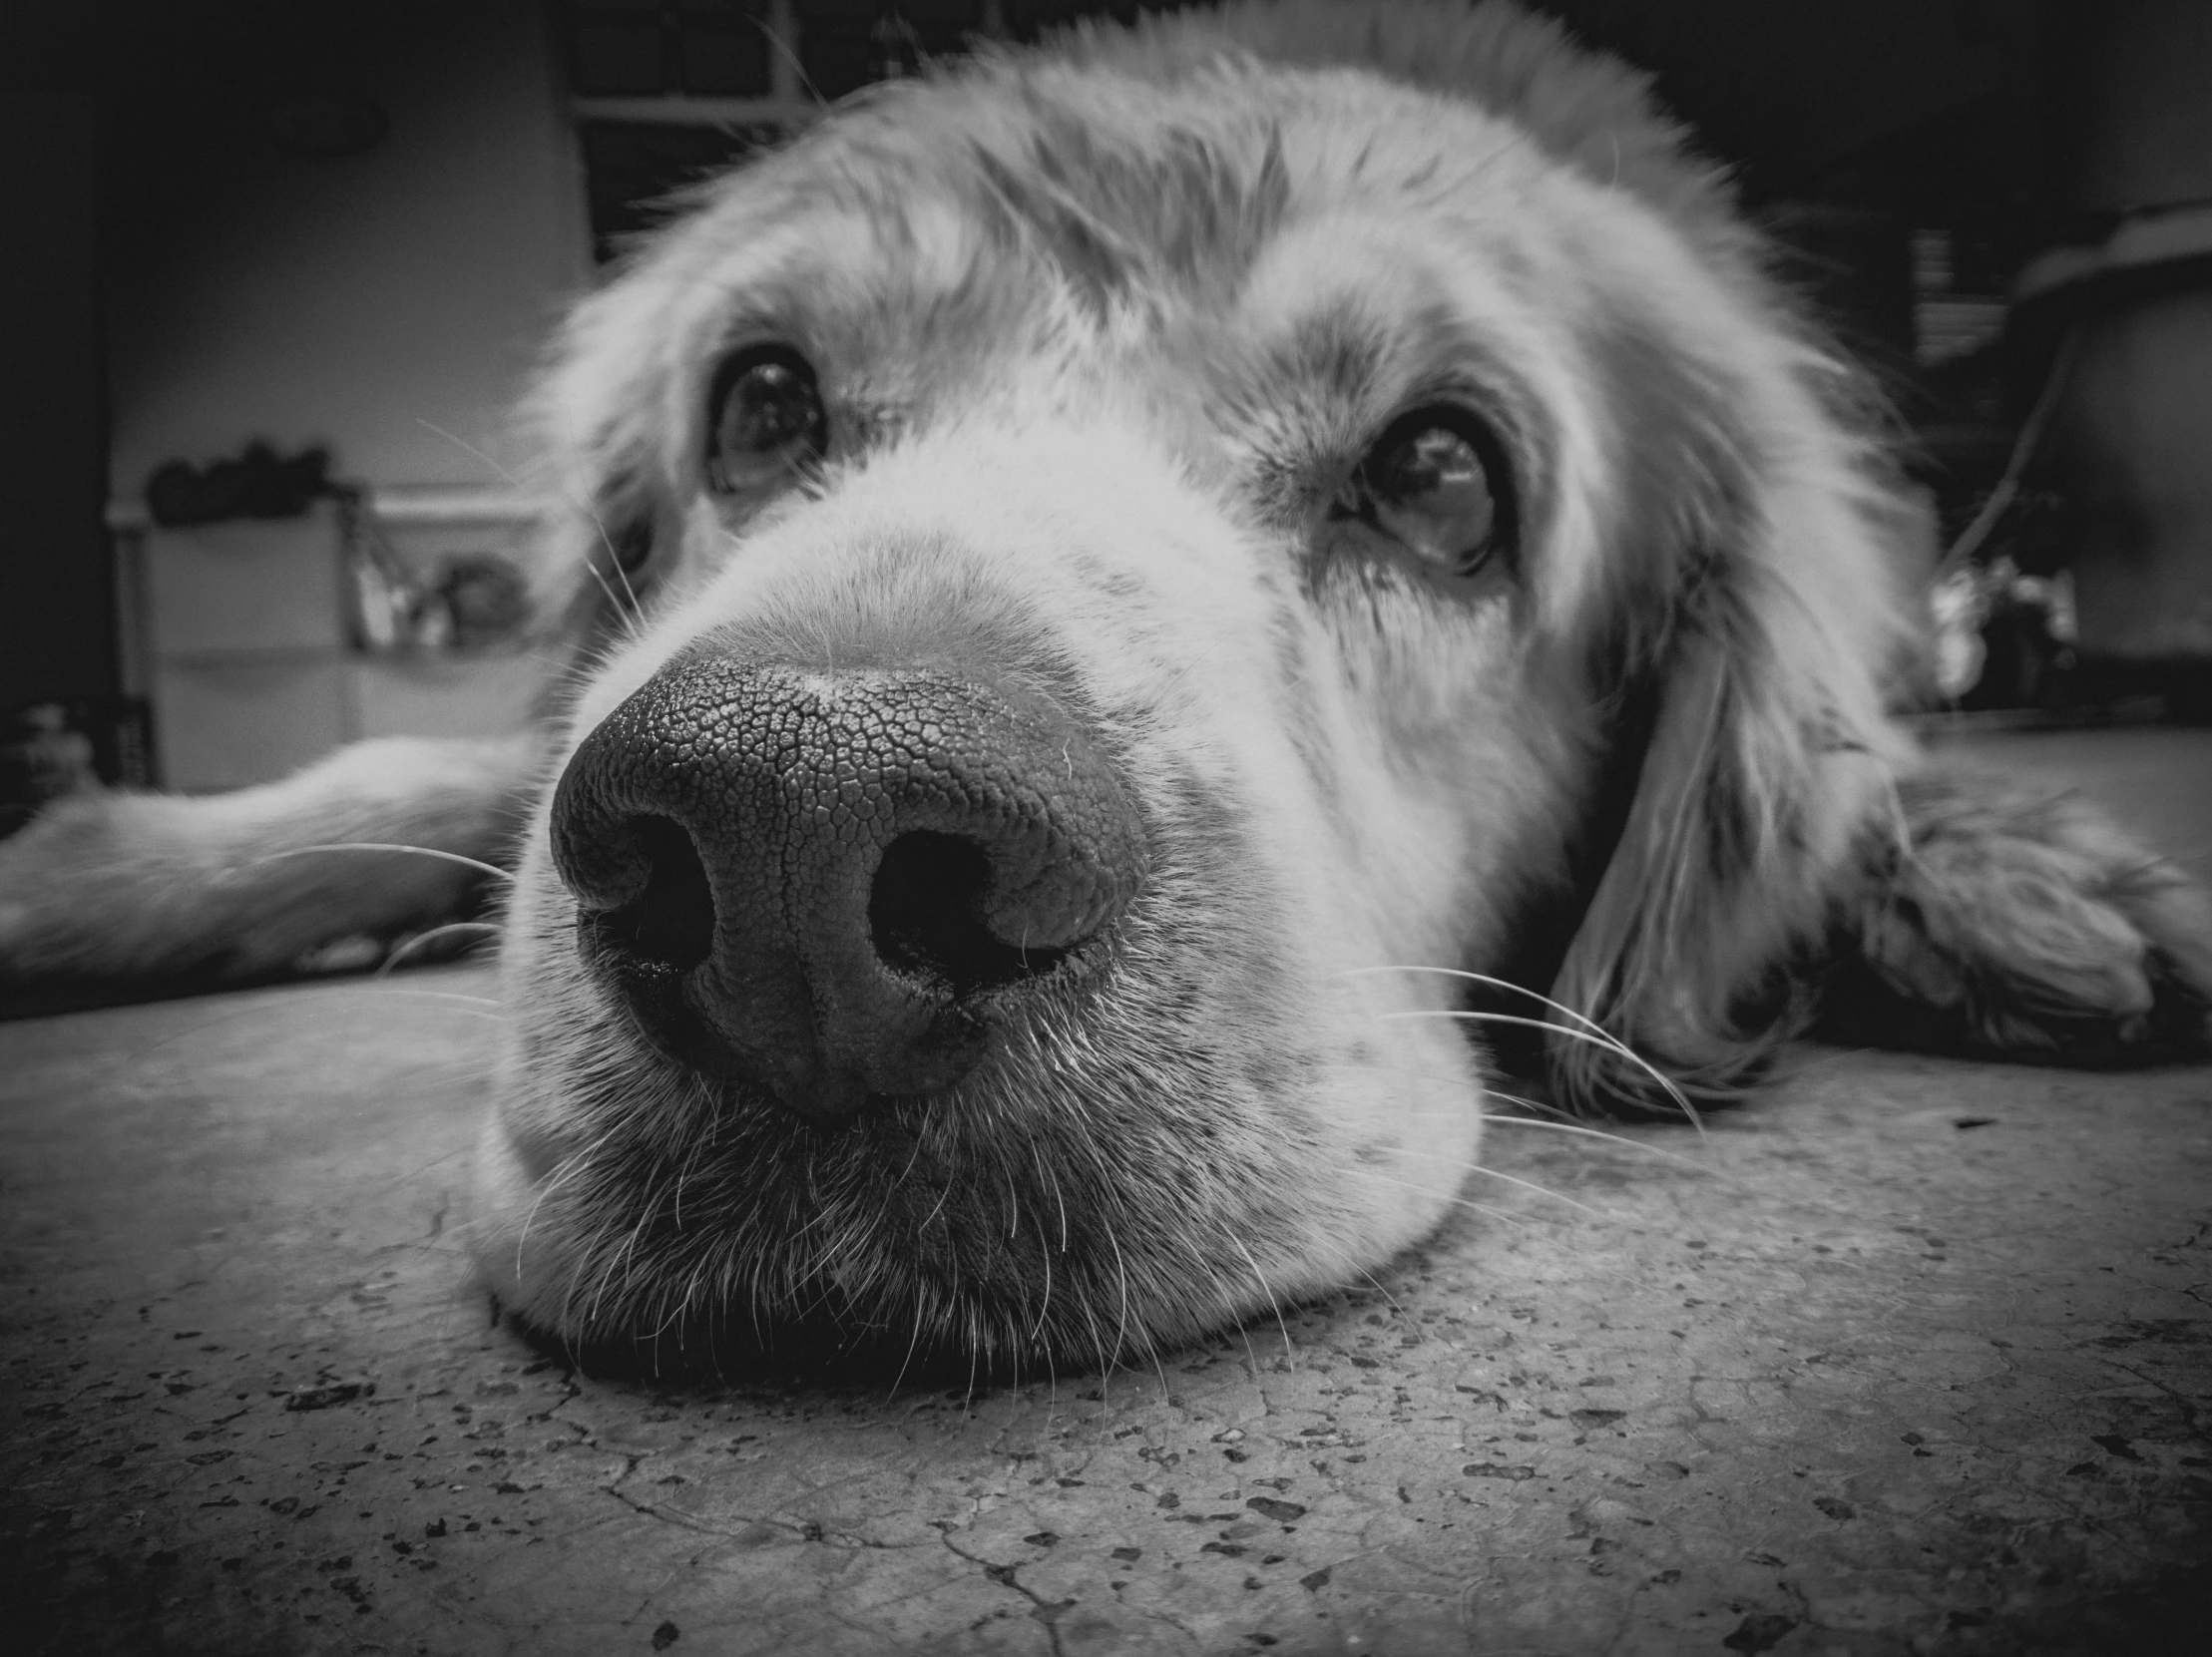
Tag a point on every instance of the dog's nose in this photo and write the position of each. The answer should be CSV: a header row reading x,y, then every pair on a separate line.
x,y
838,885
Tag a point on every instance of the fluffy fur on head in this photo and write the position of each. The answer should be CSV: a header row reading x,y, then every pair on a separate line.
x,y
1362,441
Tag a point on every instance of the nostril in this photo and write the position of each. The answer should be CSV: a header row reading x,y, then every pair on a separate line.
x,y
925,917
671,922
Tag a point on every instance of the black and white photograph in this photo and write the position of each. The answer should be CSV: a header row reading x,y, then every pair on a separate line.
x,y
1050,828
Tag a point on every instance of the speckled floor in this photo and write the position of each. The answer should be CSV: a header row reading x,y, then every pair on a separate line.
x,y
1911,1356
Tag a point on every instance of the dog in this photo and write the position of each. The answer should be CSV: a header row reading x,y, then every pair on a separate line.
x,y
1134,603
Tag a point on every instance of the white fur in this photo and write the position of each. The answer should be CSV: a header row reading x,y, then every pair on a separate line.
x,y
1103,333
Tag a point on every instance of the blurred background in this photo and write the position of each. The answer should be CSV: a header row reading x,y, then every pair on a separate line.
x,y
277,268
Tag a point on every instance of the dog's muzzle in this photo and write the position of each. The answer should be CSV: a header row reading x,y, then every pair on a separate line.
x,y
842,886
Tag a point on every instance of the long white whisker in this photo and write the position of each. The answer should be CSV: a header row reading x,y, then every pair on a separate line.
x,y
790,57
1044,1299
1511,1179
1541,1191
1382,1289
475,1004
1608,1044
478,864
573,499
421,938
1273,1304
1582,1019
1579,1129
1483,1208
1122,1273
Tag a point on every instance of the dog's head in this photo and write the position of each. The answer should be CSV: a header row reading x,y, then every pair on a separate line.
x,y
1111,573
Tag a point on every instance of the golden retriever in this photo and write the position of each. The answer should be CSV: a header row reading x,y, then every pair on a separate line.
x,y
1122,595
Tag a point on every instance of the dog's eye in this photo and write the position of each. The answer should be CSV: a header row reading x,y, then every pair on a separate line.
x,y
764,420
1437,483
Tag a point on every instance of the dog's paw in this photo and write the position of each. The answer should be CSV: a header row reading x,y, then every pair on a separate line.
x,y
2006,926
79,899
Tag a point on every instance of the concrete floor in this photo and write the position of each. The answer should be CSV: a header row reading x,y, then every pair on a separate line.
x,y
1912,1356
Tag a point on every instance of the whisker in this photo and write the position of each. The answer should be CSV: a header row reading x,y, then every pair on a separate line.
x,y
1122,1272
1582,1019
1058,1200
626,603
1045,1299
1494,1173
1529,1220
790,57
913,1342
1588,1023
1620,1139
477,1004
1383,1289
1605,1042
421,938
478,864
1540,1107
1273,1304
1541,1190
580,505
1565,1126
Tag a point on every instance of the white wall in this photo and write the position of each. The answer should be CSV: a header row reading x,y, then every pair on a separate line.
x,y
348,299
355,300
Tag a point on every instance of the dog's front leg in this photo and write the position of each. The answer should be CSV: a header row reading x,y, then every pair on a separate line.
x,y
1993,921
144,887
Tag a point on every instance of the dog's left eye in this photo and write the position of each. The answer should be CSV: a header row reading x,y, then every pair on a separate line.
x,y
1437,483
764,420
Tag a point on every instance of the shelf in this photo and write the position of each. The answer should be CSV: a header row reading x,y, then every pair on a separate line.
x,y
429,506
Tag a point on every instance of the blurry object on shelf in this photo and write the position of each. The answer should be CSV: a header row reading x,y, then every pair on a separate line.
x,y
251,635
2002,639
261,483
52,750
464,602
487,598
465,599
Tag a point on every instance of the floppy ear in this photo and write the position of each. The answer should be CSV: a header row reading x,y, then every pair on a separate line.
x,y
1746,665
1776,849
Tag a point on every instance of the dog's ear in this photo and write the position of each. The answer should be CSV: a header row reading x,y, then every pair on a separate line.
x,y
1743,663
1763,834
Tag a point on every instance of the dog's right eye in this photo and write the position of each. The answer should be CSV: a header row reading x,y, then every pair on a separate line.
x,y
1438,483
764,420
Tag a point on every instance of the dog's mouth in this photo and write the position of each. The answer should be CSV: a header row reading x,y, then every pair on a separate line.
x,y
910,1236
1034,1214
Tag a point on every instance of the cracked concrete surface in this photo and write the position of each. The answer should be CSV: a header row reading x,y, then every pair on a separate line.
x,y
1911,1356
